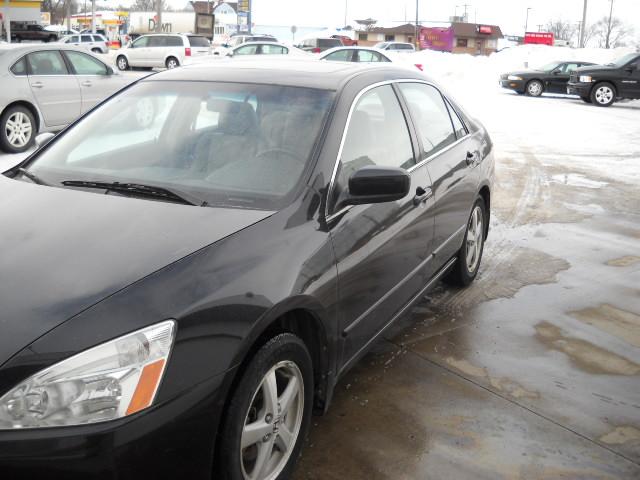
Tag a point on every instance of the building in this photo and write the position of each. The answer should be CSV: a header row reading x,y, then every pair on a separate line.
x,y
19,11
470,38
403,33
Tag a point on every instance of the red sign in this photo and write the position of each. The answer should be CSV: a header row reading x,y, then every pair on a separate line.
x,y
539,38
435,38
486,29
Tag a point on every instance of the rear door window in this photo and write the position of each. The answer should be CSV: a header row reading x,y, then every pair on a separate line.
x,y
274,50
340,56
175,42
431,116
368,56
47,63
87,39
246,50
158,41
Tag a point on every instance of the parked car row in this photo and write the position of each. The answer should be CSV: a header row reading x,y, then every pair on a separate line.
x,y
600,85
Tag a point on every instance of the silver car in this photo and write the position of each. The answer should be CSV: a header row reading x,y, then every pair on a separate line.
x,y
44,88
89,41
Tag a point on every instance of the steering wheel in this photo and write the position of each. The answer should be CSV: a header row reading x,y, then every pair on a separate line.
x,y
276,150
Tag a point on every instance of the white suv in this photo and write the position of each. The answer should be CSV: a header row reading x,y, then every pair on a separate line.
x,y
94,42
162,50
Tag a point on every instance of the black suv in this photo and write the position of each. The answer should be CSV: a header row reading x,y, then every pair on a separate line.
x,y
604,84
22,31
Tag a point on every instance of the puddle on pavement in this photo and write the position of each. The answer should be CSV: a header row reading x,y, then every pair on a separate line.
x,y
502,384
624,261
607,318
586,356
621,435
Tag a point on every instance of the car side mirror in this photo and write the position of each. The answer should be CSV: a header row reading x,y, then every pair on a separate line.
x,y
556,72
43,139
110,71
226,45
374,184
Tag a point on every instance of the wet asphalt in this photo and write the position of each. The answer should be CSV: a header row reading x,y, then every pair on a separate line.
x,y
534,370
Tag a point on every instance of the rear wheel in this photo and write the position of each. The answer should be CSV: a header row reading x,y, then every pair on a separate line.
x,y
269,413
534,88
17,129
603,94
172,63
470,254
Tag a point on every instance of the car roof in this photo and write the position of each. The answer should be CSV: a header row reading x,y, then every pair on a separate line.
x,y
290,72
262,42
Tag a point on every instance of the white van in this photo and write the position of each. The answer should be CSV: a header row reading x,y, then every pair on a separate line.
x,y
162,50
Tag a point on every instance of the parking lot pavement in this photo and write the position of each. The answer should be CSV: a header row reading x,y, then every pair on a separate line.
x,y
533,371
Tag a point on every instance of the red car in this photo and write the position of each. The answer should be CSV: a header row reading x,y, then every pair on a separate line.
x,y
346,41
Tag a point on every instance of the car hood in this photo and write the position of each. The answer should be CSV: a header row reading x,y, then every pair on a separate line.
x,y
526,73
63,250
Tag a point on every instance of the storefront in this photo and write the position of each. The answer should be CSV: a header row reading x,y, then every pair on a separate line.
x,y
18,11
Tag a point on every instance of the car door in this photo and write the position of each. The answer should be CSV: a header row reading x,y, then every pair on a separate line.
x,y
96,83
138,53
629,85
157,51
559,77
382,250
451,155
87,41
55,90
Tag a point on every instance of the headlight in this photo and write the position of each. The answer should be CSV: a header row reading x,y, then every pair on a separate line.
x,y
514,77
584,79
112,380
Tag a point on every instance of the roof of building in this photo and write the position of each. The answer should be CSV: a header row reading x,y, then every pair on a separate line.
x,y
472,30
406,29
203,6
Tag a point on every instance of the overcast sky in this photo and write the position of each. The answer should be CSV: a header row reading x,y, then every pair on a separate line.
x,y
509,14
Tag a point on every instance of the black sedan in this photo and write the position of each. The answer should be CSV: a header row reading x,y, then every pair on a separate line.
x,y
551,78
189,269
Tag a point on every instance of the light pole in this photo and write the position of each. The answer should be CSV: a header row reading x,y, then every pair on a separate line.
x,y
584,24
526,22
417,33
346,9
609,25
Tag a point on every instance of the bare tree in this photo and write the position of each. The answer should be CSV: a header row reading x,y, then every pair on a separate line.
x,y
562,29
147,6
612,32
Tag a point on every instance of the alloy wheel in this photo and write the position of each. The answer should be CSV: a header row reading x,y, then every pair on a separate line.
x,y
18,129
273,422
122,63
604,94
172,63
535,88
475,237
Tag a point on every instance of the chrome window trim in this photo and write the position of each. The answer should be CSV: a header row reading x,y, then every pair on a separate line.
x,y
330,217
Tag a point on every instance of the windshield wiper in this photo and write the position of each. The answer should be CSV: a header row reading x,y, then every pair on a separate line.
x,y
139,189
32,176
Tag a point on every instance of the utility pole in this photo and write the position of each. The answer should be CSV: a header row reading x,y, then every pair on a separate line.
x,y
7,21
609,26
249,17
69,15
159,15
466,18
584,24
417,32
346,9
93,16
526,22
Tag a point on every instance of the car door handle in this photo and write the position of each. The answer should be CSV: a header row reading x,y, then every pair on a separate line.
x,y
422,195
37,84
86,83
472,158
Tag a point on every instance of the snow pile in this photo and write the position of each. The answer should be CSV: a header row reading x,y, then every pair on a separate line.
x,y
461,70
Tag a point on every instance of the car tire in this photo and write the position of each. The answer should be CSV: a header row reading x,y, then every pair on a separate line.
x,y
122,63
603,94
171,63
534,88
276,368
17,120
465,269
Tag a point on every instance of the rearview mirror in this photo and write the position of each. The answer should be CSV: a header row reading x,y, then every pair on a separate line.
x,y
373,184
43,139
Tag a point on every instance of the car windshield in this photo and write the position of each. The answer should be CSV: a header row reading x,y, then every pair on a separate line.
x,y
549,66
237,145
622,61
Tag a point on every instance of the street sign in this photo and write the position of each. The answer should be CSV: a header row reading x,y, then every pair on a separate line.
x,y
294,29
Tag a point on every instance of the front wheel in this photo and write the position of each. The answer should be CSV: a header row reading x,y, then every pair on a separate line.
x,y
534,88
603,94
269,413
470,254
122,63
